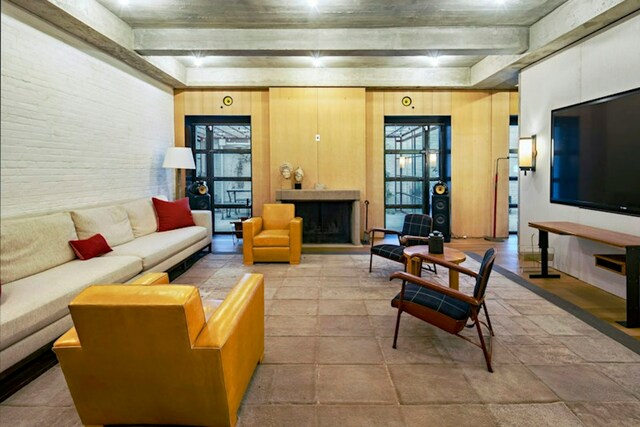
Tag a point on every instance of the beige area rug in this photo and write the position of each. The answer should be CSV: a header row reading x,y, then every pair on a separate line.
x,y
329,362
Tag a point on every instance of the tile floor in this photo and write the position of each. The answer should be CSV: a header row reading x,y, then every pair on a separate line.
x,y
329,362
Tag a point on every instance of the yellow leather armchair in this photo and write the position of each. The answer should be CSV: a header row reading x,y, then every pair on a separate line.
x,y
275,236
145,354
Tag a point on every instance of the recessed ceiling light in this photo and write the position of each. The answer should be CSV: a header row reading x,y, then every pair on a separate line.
x,y
316,61
434,61
124,2
197,61
313,3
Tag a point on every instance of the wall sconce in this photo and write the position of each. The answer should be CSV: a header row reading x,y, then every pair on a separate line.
x,y
433,160
527,153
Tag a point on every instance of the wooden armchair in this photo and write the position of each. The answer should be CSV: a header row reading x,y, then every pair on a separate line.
x,y
446,308
415,231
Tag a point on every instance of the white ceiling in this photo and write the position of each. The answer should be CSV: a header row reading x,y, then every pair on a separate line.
x,y
370,43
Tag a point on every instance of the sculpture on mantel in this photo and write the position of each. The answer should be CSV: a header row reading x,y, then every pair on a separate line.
x,y
285,170
298,176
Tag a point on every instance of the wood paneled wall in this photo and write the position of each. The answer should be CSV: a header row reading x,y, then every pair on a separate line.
x,y
479,133
350,153
254,103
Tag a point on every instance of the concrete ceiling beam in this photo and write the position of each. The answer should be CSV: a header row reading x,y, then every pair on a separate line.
x,y
323,77
394,41
89,21
567,24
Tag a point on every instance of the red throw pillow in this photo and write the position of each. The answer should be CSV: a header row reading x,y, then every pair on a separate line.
x,y
92,247
172,215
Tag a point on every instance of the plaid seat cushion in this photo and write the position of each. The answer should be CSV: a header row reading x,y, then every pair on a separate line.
x,y
392,252
436,301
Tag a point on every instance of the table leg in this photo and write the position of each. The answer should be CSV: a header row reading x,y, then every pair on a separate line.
x,y
454,279
633,287
414,266
543,244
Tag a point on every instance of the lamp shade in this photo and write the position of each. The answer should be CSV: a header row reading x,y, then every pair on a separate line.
x,y
178,158
527,153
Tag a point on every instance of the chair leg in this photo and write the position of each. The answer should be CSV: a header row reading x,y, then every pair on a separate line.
x,y
487,353
395,336
486,313
370,262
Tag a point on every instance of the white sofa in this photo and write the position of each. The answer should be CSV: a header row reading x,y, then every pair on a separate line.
x,y
40,273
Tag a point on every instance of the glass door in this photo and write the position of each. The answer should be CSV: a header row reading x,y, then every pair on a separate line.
x,y
413,164
222,150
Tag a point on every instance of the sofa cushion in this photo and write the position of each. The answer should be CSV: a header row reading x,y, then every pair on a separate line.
x,y
173,215
142,216
157,247
31,245
110,221
34,302
270,238
89,248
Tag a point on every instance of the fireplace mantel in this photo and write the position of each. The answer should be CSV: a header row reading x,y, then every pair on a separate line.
x,y
316,195
303,196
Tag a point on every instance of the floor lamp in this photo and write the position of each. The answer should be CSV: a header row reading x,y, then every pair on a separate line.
x,y
179,158
493,238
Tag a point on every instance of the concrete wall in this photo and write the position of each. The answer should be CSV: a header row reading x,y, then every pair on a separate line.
x,y
607,63
78,127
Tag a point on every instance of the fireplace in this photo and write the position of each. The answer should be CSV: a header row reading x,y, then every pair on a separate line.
x,y
329,216
325,222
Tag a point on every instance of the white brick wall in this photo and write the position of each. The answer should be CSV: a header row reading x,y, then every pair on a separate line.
x,y
78,127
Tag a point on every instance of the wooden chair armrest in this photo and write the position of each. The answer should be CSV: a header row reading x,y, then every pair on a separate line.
x,y
384,230
407,277
448,264
403,239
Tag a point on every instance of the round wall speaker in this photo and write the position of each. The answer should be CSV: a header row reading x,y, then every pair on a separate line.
x,y
227,100
406,101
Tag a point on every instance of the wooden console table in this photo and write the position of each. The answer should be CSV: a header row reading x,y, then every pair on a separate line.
x,y
630,265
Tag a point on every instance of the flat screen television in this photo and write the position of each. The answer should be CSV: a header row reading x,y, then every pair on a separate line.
x,y
595,154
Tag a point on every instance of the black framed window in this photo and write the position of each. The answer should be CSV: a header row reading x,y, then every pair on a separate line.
x,y
222,150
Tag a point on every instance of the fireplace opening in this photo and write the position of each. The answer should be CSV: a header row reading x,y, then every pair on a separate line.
x,y
325,221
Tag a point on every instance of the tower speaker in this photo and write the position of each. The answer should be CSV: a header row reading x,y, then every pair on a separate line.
x,y
440,212
200,202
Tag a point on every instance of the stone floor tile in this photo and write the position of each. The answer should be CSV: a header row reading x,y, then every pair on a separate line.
x,y
410,326
534,307
412,350
563,324
277,416
368,384
581,383
515,325
296,292
535,415
341,271
29,416
467,354
513,384
338,282
600,349
597,414
540,354
286,307
309,282
294,384
259,388
353,326
49,389
297,271
418,384
380,308
291,325
348,350
281,350
342,293
467,415
359,416
625,374
339,307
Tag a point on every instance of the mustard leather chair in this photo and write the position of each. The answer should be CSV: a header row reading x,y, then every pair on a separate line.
x,y
276,236
143,354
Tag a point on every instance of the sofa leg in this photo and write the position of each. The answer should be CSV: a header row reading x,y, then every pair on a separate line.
x,y
210,247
